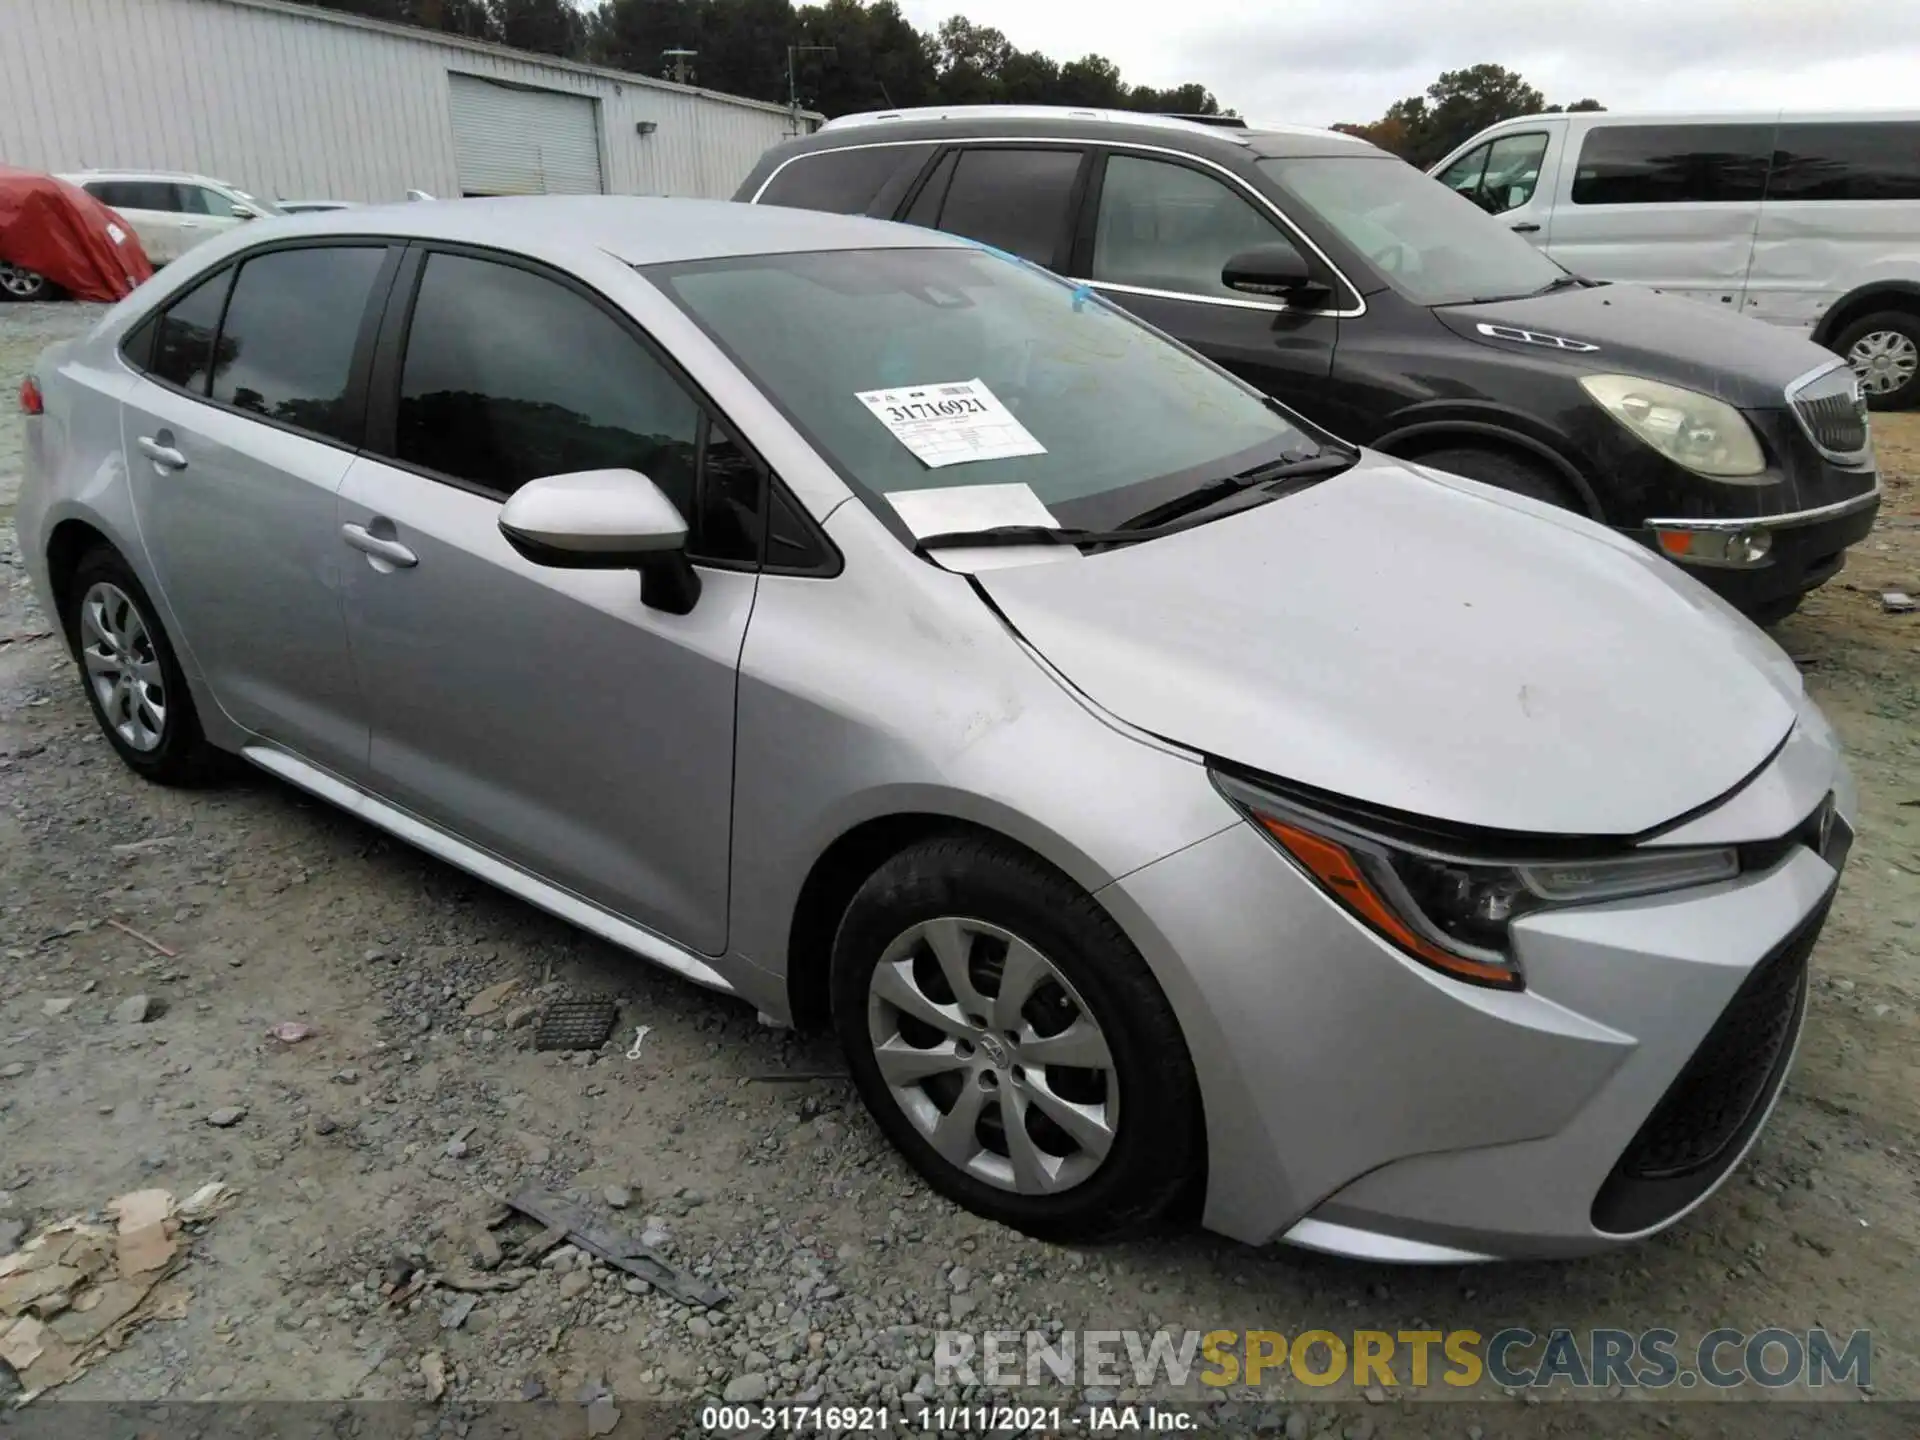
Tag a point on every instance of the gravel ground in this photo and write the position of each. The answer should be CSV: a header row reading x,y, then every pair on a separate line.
x,y
370,1151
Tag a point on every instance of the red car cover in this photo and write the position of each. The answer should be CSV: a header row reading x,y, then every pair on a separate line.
x,y
59,231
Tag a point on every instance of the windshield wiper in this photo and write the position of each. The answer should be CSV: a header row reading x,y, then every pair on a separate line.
x,y
1561,282
1288,468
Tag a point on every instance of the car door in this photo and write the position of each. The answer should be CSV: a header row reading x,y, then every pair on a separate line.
x,y
1158,232
151,208
1511,177
204,213
546,715
236,438
1673,206
1020,198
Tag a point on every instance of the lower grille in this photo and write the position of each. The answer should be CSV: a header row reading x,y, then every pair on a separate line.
x,y
1712,1109
1831,410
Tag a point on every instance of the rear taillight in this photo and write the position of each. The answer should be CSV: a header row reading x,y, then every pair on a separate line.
x,y
31,400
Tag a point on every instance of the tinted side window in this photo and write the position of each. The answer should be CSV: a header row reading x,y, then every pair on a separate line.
x,y
1167,227
183,351
198,200
1672,164
845,182
1847,162
134,194
509,376
286,349
925,209
1016,200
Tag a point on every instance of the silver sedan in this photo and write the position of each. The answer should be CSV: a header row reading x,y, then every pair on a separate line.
x,y
1161,799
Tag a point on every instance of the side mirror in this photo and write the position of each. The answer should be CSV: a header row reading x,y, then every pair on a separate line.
x,y
1274,270
605,520
245,212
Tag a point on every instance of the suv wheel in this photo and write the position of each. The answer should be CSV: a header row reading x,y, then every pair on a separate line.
x,y
1505,471
1012,1043
1884,351
130,674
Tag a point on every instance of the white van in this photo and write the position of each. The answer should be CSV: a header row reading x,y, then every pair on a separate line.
x,y
1806,220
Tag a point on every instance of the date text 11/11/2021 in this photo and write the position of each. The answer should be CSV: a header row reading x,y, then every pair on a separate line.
x,y
947,1419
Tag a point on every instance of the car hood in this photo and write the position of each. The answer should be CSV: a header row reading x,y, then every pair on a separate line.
x,y
1640,332
1424,643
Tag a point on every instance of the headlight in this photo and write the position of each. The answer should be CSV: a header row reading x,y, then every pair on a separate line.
x,y
1706,435
1455,913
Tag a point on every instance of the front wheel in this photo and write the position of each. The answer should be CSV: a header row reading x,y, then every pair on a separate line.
x,y
1011,1042
1884,351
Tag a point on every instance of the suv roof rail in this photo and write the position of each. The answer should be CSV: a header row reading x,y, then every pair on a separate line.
x,y
1218,122
1033,112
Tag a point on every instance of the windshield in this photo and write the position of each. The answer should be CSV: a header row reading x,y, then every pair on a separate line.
x,y
1433,246
1108,419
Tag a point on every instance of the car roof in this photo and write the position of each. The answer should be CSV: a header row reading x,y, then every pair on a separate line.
x,y
1713,117
1007,122
634,229
187,175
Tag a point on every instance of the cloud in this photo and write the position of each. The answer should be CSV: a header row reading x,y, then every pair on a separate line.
x,y
1317,61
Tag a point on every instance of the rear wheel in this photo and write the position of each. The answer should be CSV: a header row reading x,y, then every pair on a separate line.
x,y
1884,351
1012,1043
131,676
21,284
1506,471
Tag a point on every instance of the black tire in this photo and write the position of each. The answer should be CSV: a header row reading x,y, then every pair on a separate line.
x,y
1505,471
1771,612
182,756
1157,1151
1899,322
23,286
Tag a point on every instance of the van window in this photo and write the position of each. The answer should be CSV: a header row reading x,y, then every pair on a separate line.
x,y
1847,162
1015,200
1672,164
1500,175
844,182
1167,227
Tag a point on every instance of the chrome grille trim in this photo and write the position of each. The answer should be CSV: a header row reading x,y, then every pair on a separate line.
x,y
1832,413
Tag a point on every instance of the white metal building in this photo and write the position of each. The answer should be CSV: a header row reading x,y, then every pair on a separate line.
x,y
298,103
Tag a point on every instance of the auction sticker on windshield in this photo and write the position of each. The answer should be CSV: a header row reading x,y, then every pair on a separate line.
x,y
951,424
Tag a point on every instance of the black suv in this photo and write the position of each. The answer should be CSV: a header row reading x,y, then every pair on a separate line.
x,y
1386,308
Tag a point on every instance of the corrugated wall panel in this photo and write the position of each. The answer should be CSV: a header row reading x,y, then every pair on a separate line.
x,y
301,104
508,140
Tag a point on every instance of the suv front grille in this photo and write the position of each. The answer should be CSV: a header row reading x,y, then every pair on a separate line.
x,y
1710,1111
1832,411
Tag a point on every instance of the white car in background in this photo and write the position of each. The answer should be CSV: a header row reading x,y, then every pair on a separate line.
x,y
313,207
171,211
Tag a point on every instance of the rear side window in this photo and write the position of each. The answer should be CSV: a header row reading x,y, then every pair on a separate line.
x,y
183,349
1672,164
1015,200
286,349
847,182
1846,162
135,194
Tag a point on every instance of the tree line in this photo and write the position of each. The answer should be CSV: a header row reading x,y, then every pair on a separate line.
x,y
854,55
1422,129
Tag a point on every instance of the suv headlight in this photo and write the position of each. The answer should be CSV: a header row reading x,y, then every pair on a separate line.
x,y
1454,913
1706,435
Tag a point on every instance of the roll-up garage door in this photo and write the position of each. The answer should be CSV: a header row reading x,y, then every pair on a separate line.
x,y
513,141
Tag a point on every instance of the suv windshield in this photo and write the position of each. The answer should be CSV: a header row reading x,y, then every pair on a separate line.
x,y
1429,243
1111,419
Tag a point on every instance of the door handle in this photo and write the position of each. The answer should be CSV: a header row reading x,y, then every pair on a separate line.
x,y
164,456
1525,227
391,551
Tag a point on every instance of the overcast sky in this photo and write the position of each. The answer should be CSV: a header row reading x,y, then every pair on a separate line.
x,y
1317,61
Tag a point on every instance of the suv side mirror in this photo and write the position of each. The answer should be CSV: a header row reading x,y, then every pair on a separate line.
x,y
244,212
1273,270
605,520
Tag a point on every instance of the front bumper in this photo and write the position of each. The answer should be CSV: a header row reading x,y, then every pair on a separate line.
x,y
1806,548
1360,1103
